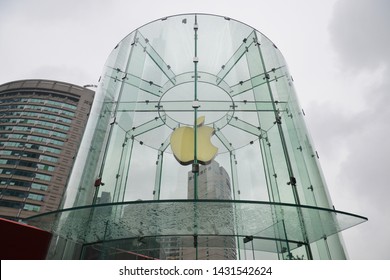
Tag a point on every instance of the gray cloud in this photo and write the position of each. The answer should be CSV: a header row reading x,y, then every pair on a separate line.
x,y
48,35
359,33
361,40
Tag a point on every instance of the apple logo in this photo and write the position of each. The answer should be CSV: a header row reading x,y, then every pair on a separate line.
x,y
182,143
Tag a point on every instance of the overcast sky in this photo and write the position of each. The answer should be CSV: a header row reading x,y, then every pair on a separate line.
x,y
338,52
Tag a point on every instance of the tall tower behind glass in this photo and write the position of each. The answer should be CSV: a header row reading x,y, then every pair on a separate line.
x,y
174,95
41,126
213,183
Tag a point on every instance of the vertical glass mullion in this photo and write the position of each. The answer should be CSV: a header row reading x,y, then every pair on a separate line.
x,y
127,159
233,168
119,177
273,188
286,152
195,168
157,184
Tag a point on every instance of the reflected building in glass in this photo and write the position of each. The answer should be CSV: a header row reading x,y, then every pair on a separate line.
x,y
41,126
213,184
176,96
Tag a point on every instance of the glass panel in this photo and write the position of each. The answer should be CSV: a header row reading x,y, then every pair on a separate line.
x,y
211,217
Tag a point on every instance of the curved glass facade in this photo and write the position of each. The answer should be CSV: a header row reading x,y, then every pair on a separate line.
x,y
196,148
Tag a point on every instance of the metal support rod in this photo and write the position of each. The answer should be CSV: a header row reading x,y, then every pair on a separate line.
x,y
195,167
285,236
327,247
157,184
195,60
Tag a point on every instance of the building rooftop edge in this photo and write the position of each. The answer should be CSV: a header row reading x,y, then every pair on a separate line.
x,y
44,84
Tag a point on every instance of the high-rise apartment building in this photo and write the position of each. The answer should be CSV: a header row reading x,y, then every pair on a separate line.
x,y
41,126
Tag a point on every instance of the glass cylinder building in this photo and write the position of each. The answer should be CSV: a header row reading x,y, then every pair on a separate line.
x,y
196,148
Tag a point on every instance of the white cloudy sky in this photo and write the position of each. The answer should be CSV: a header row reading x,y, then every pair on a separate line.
x,y
337,50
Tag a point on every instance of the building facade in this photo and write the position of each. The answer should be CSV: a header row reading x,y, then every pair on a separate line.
x,y
174,95
41,126
213,182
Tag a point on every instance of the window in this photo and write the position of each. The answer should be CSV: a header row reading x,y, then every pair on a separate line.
x,y
27,164
46,116
31,207
48,158
44,139
6,171
45,167
41,106
13,182
39,186
33,138
11,204
15,193
34,196
51,150
43,177
24,173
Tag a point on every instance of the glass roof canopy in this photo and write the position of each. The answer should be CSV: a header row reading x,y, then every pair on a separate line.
x,y
224,86
206,218
264,178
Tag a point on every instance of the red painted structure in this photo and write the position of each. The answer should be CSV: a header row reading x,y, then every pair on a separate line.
x,y
22,242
